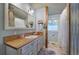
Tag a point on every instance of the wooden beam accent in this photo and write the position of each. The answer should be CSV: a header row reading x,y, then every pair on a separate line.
x,y
46,29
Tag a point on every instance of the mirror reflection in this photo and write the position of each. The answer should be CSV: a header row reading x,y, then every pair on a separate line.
x,y
19,18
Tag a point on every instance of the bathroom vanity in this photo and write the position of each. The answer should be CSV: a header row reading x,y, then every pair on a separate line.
x,y
29,45
17,17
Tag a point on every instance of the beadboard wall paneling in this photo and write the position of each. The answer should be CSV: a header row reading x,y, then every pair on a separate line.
x,y
74,28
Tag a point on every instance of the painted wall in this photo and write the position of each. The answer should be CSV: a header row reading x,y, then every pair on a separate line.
x,y
74,28
4,32
40,15
64,29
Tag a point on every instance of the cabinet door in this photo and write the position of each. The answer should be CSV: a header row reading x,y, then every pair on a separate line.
x,y
11,51
35,47
26,49
38,49
25,53
40,43
29,48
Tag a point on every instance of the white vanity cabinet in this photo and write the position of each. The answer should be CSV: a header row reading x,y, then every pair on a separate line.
x,y
31,48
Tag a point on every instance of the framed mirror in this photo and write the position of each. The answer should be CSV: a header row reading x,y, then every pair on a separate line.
x,y
16,18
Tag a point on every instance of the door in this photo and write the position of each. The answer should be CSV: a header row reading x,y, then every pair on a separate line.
x,y
53,30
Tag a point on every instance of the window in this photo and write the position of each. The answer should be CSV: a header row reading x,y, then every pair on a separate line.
x,y
53,25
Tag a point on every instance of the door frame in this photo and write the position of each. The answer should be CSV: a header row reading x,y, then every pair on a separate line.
x,y
69,28
46,29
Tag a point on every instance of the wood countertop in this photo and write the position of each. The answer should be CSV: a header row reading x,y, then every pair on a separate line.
x,y
18,43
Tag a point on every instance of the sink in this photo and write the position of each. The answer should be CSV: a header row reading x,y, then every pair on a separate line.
x,y
31,37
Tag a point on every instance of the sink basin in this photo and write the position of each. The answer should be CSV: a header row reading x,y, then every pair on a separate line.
x,y
31,37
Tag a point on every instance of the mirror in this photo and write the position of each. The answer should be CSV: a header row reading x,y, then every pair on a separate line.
x,y
17,18
31,21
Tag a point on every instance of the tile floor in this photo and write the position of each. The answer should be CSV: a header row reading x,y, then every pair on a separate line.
x,y
52,49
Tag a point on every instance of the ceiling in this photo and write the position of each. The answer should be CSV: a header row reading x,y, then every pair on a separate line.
x,y
53,8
